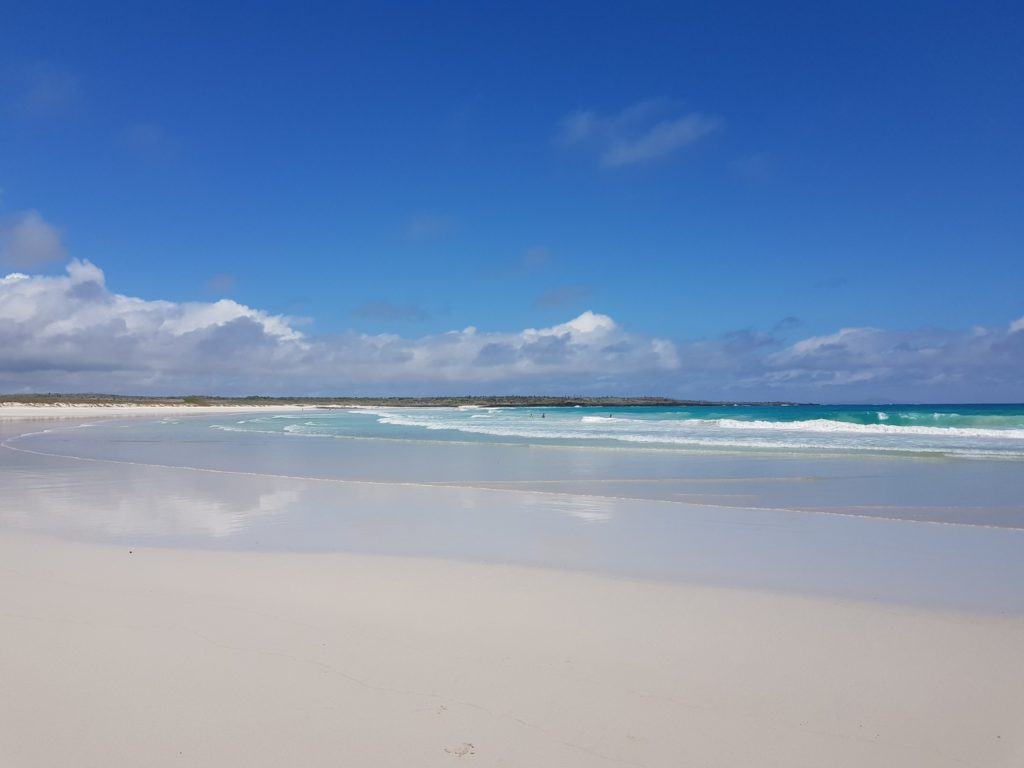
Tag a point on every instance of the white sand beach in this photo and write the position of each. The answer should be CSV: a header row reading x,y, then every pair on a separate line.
x,y
160,656
72,410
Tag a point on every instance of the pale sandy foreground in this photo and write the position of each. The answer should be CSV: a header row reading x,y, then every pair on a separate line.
x,y
165,657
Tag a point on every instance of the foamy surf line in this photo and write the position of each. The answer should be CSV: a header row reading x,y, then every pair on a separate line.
x,y
667,425
809,434
827,425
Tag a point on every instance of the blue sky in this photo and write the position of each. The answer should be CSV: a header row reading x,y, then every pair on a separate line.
x,y
742,177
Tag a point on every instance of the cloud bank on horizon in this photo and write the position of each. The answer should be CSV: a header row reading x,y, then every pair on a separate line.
x,y
71,333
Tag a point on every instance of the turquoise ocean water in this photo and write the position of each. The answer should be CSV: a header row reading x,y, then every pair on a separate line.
x,y
990,431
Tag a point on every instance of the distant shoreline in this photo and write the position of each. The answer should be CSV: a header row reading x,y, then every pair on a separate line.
x,y
491,401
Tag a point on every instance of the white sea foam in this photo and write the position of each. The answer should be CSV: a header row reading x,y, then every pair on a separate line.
x,y
828,425
820,434
815,434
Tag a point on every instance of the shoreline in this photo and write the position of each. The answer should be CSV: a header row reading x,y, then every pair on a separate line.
x,y
490,401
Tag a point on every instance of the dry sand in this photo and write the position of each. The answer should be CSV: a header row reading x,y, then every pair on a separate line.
x,y
162,657
21,412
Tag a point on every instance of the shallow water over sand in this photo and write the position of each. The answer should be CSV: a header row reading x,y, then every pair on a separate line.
x,y
834,526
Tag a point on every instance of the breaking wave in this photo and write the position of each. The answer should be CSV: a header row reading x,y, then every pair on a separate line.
x,y
968,430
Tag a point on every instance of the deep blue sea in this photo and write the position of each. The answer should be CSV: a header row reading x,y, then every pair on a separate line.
x,y
991,431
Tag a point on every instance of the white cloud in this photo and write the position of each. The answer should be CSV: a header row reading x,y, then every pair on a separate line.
x,y
71,333
643,132
586,325
661,139
861,365
26,240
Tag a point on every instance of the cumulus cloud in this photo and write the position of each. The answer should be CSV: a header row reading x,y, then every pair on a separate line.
x,y
71,333
926,358
862,364
638,134
27,241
